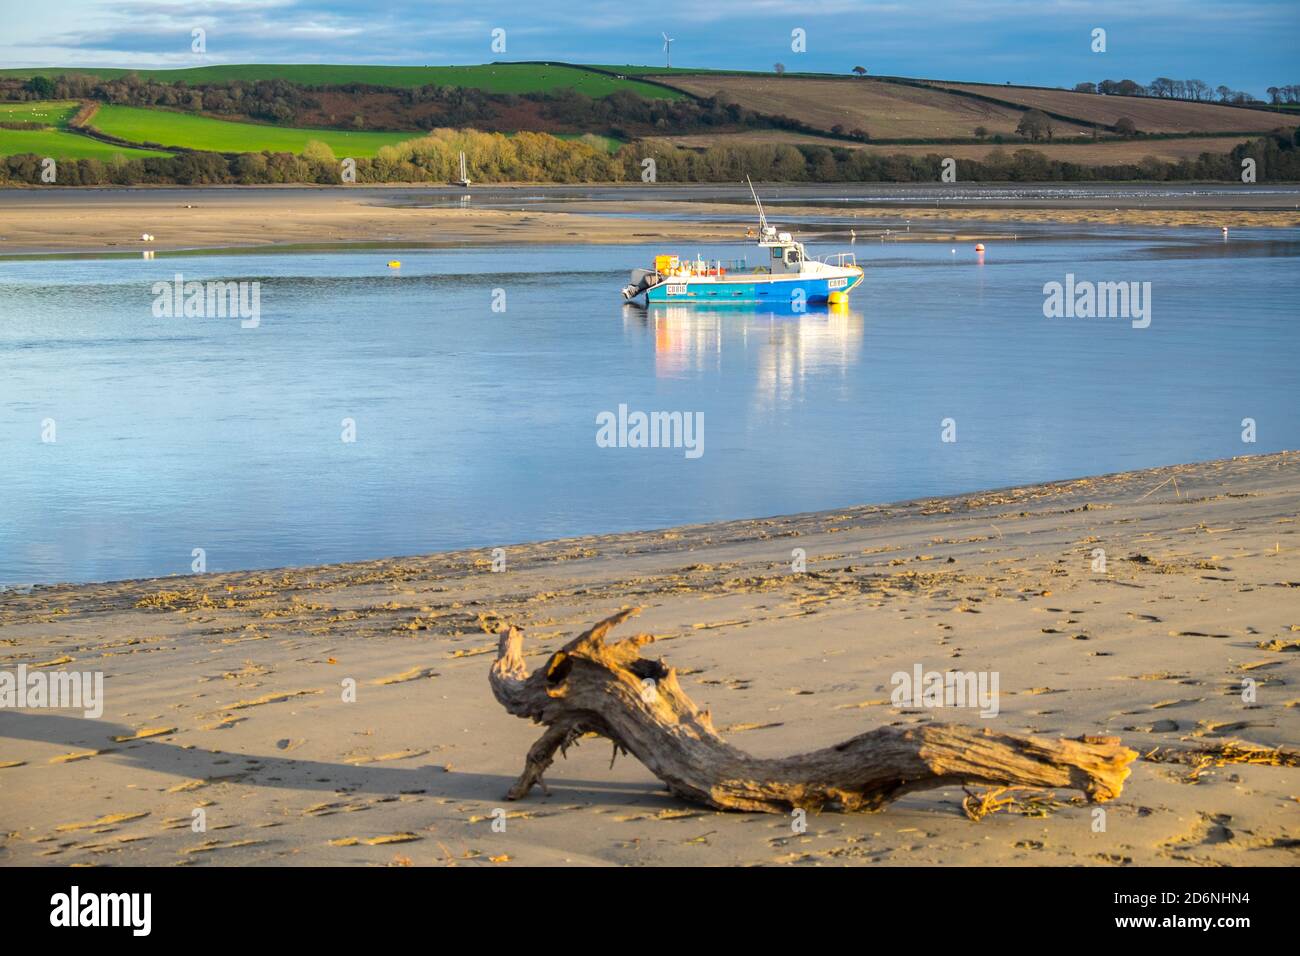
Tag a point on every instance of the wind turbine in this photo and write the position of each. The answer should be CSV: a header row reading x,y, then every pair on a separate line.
x,y
668,51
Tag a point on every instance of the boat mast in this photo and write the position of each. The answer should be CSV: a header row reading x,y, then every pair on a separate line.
x,y
762,216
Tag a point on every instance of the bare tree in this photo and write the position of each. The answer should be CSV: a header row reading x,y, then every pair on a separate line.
x,y
1035,125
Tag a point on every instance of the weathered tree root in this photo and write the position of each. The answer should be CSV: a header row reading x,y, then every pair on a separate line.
x,y
589,686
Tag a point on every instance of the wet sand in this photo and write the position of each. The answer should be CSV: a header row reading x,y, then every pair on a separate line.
x,y
225,692
34,221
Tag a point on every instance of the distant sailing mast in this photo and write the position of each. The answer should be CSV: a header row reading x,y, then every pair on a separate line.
x,y
464,173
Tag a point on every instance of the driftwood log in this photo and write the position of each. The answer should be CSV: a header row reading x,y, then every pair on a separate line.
x,y
591,687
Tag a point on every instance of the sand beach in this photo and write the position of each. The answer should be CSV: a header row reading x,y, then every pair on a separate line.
x,y
226,696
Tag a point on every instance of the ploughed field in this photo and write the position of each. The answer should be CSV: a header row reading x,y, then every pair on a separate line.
x,y
1087,153
1148,114
884,110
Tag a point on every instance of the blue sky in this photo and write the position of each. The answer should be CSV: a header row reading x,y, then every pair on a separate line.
x,y
1247,45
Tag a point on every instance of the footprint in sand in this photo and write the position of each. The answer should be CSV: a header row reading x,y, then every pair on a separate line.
x,y
1156,727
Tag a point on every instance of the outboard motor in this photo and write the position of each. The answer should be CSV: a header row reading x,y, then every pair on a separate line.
x,y
642,279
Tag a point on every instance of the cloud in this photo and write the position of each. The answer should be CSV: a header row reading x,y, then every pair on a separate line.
x,y
1025,41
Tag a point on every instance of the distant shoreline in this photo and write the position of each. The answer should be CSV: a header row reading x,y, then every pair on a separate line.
x,y
683,538
87,220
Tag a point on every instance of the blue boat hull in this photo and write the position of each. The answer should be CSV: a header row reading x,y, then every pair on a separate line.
x,y
774,291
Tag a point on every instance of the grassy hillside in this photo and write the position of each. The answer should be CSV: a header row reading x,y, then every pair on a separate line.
x,y
490,77
54,140
1148,114
663,74
59,144
46,112
191,131
914,117
221,136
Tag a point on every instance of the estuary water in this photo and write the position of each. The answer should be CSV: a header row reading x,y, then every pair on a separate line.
x,y
453,402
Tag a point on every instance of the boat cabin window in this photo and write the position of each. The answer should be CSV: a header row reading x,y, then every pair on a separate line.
x,y
792,256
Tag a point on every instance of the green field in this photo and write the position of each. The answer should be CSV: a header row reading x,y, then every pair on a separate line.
x,y
186,130
46,112
192,131
665,75
490,77
652,71
54,141
59,144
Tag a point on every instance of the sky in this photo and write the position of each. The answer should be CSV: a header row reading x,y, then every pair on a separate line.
x,y
1247,44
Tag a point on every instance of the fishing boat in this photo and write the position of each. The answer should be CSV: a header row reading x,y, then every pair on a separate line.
x,y
785,275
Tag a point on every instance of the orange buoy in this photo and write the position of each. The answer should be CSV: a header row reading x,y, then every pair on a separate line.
x,y
979,247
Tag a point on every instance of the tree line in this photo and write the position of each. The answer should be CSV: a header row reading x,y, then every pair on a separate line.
x,y
1198,91
539,157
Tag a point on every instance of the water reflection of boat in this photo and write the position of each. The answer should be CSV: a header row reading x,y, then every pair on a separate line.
x,y
783,347
785,275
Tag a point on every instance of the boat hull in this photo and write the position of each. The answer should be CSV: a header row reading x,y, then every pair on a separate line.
x,y
743,289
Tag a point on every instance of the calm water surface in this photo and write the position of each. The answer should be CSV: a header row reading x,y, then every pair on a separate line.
x,y
476,428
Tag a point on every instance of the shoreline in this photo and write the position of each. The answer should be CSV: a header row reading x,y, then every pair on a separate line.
x,y
222,689
684,536
223,218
